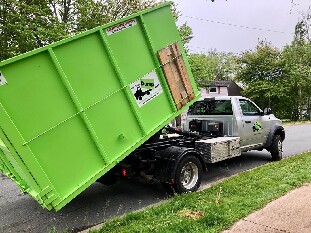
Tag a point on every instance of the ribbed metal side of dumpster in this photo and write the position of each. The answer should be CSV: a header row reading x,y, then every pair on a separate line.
x,y
72,110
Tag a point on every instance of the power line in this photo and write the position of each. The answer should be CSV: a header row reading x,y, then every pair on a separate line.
x,y
236,25
192,48
206,50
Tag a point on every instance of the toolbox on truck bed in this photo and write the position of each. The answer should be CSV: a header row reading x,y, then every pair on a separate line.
x,y
70,111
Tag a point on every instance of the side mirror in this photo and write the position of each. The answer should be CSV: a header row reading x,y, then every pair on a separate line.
x,y
267,111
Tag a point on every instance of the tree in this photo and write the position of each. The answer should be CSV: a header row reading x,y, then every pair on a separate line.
x,y
202,68
298,57
303,28
279,79
185,32
25,25
81,15
29,24
263,75
213,66
298,65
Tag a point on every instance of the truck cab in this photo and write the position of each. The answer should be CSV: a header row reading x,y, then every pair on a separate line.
x,y
237,117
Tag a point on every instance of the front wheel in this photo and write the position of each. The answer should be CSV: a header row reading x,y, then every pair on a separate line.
x,y
188,175
276,148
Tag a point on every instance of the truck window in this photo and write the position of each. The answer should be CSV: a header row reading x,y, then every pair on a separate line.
x,y
248,108
211,107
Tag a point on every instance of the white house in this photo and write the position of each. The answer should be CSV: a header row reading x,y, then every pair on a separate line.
x,y
221,88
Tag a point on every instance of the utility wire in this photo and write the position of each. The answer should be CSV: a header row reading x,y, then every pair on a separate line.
x,y
206,50
193,49
235,25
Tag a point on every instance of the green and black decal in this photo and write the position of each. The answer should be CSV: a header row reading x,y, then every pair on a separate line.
x,y
257,126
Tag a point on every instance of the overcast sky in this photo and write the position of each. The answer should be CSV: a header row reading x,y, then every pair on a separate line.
x,y
273,20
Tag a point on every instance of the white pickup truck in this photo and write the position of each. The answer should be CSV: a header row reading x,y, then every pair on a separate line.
x,y
216,129
238,117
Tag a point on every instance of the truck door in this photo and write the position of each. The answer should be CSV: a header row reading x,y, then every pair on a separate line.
x,y
252,123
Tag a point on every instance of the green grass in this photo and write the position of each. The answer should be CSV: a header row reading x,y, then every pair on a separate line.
x,y
218,207
295,122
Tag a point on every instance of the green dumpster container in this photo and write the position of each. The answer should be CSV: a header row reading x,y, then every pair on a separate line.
x,y
72,110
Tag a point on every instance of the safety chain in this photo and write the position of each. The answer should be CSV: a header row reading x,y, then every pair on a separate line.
x,y
103,99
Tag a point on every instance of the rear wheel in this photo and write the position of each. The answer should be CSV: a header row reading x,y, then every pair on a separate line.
x,y
276,148
188,175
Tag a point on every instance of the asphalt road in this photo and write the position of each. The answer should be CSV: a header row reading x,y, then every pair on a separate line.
x,y
20,213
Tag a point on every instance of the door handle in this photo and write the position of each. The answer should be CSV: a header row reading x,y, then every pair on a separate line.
x,y
248,122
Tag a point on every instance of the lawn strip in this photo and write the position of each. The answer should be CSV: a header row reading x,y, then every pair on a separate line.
x,y
218,207
296,122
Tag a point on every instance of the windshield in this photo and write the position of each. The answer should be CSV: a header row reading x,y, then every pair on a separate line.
x,y
211,107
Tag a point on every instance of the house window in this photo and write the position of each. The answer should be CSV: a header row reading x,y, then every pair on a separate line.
x,y
212,90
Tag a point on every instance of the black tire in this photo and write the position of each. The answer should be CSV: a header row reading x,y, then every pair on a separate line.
x,y
188,175
276,148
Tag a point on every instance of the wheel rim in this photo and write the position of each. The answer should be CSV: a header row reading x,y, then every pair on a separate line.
x,y
189,175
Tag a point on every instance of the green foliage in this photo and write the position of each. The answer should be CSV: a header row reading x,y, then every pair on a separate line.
x,y
25,25
262,73
303,27
202,68
29,24
278,79
185,33
298,67
81,15
213,66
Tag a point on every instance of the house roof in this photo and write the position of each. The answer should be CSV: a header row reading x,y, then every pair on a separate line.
x,y
221,83
233,88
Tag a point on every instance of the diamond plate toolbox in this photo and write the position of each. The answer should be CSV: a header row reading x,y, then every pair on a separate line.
x,y
217,149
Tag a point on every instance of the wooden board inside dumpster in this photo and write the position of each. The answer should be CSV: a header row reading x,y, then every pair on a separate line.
x,y
176,74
